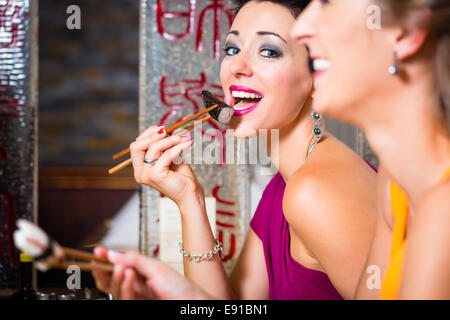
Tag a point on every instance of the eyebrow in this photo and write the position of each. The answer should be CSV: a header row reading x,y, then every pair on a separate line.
x,y
236,33
265,33
260,33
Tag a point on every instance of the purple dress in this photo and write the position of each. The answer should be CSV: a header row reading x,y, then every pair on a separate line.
x,y
288,279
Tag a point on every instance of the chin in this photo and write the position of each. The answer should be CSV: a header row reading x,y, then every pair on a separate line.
x,y
244,133
324,105
241,129
334,109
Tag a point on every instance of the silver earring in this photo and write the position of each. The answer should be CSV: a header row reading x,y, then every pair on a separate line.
x,y
394,69
317,131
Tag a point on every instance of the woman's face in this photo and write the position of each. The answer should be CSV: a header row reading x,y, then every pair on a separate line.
x,y
350,54
264,69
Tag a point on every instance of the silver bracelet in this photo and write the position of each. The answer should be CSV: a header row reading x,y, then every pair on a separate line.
x,y
207,256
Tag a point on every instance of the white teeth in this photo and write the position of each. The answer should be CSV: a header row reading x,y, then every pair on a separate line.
x,y
245,95
321,64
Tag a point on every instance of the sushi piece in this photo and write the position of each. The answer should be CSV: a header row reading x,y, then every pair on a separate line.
x,y
223,113
33,241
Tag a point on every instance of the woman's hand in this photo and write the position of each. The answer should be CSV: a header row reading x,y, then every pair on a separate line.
x,y
168,174
121,283
137,277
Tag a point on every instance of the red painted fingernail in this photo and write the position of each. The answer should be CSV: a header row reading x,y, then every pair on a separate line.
x,y
160,125
160,131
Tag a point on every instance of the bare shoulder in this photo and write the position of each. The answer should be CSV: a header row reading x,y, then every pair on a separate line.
x,y
436,203
334,188
330,205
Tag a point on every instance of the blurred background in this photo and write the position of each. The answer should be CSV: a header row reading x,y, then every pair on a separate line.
x,y
88,110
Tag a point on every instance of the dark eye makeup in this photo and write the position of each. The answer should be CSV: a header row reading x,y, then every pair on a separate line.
x,y
231,50
270,52
266,51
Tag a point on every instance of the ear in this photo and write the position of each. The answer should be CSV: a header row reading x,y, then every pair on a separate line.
x,y
409,38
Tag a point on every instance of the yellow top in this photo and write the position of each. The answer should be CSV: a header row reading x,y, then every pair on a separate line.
x,y
392,278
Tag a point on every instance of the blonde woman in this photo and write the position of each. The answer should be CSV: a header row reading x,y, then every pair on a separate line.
x,y
394,83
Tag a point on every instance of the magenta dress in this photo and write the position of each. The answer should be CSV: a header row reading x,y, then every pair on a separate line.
x,y
288,279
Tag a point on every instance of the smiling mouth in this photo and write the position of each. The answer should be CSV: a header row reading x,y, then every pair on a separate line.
x,y
244,99
320,65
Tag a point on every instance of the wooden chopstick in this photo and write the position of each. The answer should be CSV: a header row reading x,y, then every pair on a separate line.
x,y
120,166
121,153
192,126
92,263
170,129
83,255
189,119
84,266
127,162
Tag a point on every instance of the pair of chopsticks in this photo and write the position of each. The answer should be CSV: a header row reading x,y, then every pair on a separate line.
x,y
173,127
91,262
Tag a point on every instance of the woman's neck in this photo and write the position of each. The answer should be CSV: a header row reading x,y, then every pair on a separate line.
x,y
414,147
293,143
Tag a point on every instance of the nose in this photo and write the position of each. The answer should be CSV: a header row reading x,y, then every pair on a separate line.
x,y
303,29
240,66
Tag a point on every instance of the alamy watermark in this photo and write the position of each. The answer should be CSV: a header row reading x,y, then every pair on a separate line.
x,y
214,147
374,20
373,281
74,279
73,22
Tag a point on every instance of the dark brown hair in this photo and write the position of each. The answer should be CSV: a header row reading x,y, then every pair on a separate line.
x,y
295,6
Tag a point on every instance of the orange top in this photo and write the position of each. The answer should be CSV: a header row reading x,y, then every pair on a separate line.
x,y
392,278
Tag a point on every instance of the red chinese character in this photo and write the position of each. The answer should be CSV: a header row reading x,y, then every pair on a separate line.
x,y
194,90
8,109
156,251
232,250
7,210
217,7
193,95
166,93
176,96
162,16
10,19
215,194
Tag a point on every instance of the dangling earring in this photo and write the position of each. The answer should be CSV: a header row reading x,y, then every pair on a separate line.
x,y
394,69
317,131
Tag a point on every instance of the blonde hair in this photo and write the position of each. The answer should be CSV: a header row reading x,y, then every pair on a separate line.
x,y
439,26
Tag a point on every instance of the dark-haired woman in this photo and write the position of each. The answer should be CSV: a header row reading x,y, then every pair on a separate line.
x,y
311,232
